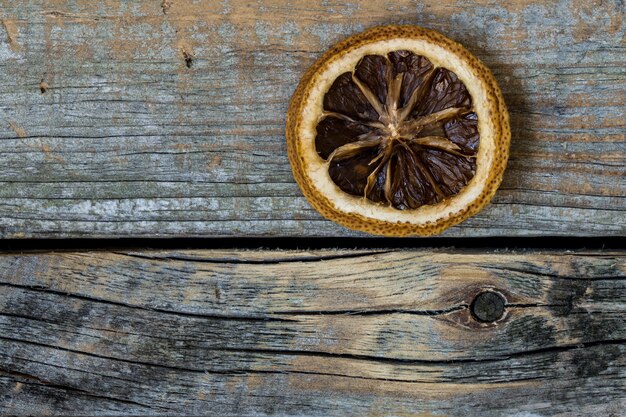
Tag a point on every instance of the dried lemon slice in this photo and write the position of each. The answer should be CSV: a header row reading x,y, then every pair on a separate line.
x,y
398,131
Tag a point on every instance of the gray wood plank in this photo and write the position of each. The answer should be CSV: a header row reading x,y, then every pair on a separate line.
x,y
127,140
288,333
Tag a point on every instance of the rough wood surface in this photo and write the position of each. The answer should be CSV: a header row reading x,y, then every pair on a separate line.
x,y
355,333
166,118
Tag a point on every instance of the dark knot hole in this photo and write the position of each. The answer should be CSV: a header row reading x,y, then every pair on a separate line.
x,y
488,307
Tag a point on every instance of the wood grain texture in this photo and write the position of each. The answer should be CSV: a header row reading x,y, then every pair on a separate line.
x,y
354,333
158,118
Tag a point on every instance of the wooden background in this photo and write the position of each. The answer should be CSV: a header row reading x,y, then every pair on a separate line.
x,y
324,333
156,119
167,118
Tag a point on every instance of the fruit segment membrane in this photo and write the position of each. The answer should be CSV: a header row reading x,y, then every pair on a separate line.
x,y
399,131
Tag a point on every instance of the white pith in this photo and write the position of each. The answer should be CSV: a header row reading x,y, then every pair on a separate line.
x,y
317,168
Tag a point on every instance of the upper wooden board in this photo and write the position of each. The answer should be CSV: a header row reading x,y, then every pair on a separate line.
x,y
166,118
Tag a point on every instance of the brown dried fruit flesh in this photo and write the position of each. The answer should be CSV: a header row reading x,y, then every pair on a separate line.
x,y
408,127
398,131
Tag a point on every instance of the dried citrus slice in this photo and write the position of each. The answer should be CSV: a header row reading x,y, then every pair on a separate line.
x,y
398,131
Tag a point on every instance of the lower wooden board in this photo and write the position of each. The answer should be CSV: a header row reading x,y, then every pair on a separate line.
x,y
317,333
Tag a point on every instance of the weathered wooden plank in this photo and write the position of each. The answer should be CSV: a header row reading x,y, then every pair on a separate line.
x,y
166,118
253,333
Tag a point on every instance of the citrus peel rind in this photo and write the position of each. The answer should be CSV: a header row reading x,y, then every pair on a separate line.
x,y
311,171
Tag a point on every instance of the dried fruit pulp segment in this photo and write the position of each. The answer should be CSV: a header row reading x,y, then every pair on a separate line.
x,y
398,130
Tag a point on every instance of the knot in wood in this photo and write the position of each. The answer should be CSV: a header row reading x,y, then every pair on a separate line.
x,y
488,307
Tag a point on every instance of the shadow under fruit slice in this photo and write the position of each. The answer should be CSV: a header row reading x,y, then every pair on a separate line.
x,y
398,131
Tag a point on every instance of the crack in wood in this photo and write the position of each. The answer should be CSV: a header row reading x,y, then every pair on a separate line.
x,y
33,380
375,312
235,261
355,357
503,269
41,289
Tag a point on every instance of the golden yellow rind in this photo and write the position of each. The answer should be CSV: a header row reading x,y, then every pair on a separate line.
x,y
499,121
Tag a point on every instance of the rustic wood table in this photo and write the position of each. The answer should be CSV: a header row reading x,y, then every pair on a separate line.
x,y
163,119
